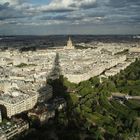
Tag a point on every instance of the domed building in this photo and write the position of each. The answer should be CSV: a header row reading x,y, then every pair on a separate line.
x,y
69,45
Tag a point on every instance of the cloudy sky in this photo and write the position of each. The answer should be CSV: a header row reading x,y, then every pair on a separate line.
x,y
43,17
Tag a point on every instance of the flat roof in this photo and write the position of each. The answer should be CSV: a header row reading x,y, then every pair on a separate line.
x,y
13,97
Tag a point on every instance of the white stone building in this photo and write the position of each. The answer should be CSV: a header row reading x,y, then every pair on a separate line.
x,y
16,102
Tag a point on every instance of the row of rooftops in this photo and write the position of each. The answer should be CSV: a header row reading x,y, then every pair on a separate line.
x,y
14,96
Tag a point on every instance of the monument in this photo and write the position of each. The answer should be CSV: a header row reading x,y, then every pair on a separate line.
x,y
69,45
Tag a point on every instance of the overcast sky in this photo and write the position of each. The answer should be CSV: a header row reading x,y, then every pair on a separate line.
x,y
44,17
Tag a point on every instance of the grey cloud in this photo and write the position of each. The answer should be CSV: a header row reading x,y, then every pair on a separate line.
x,y
71,5
85,5
122,12
96,14
60,10
135,19
117,4
80,12
89,5
121,19
7,12
123,3
4,6
61,17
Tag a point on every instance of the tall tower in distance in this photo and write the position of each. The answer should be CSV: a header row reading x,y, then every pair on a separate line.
x,y
69,45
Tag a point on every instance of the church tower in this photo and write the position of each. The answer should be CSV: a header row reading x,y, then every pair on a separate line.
x,y
69,45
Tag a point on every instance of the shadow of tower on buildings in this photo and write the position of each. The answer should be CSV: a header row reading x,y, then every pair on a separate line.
x,y
56,69
54,83
55,78
62,131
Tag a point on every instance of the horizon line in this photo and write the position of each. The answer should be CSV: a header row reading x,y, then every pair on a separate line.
x,y
67,34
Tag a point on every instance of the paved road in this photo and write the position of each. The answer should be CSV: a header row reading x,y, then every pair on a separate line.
x,y
125,96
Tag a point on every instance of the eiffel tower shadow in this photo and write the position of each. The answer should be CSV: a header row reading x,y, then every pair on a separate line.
x,y
55,78
56,69
54,86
